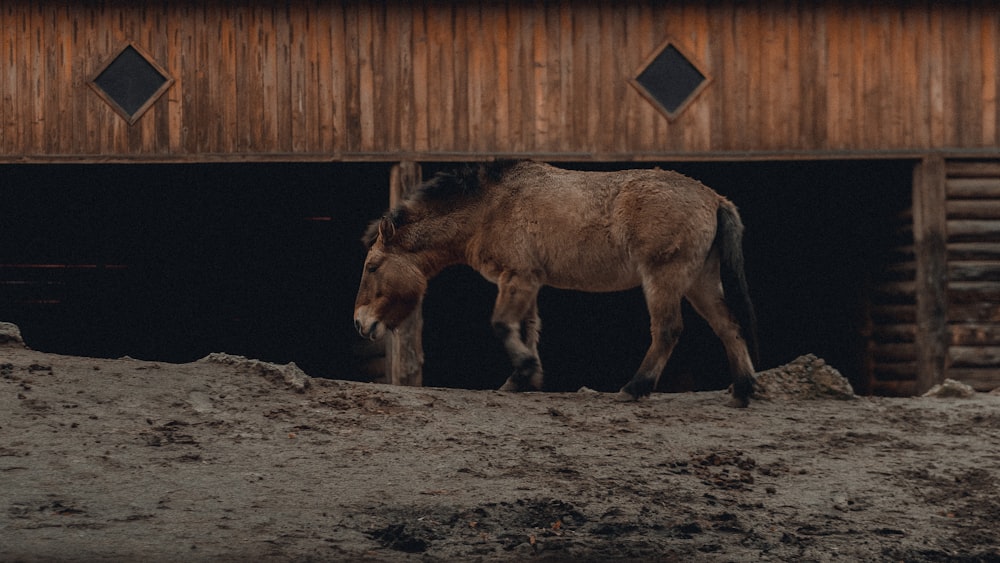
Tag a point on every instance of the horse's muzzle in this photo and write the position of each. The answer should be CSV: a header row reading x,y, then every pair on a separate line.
x,y
366,326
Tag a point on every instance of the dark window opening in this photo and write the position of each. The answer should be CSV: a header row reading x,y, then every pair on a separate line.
x,y
172,262
131,82
670,80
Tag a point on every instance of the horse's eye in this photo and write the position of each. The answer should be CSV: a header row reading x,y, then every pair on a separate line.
x,y
372,267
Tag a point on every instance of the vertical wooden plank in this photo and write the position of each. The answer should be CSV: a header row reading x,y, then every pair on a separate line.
x,y
246,57
460,119
736,78
404,355
990,74
34,77
68,87
871,131
283,41
496,19
697,116
642,119
352,77
555,101
187,69
302,84
113,40
935,65
962,77
441,84
133,26
903,87
518,108
930,236
160,41
814,61
400,19
608,108
421,109
491,19
469,57
855,68
535,132
564,24
6,85
751,37
582,84
85,137
385,68
320,55
340,70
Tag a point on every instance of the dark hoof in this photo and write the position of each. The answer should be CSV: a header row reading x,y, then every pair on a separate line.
x,y
738,402
519,382
625,397
638,388
510,386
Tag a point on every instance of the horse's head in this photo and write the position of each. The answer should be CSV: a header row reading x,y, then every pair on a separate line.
x,y
392,283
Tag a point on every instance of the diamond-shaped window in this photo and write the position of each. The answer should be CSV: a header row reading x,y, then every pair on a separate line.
x,y
131,82
669,80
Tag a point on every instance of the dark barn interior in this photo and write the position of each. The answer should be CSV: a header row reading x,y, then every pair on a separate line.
x,y
171,262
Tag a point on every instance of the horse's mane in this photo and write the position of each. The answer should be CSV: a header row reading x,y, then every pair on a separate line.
x,y
467,180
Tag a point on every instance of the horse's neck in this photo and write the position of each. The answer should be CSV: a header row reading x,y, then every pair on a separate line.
x,y
441,240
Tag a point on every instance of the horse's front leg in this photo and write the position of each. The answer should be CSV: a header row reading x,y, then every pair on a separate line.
x,y
516,323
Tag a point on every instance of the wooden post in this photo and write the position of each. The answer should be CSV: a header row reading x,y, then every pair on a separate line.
x,y
930,244
404,353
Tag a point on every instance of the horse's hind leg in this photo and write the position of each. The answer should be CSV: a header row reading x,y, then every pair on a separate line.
x,y
708,300
665,325
516,324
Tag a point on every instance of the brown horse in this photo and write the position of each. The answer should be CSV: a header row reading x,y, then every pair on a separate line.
x,y
526,224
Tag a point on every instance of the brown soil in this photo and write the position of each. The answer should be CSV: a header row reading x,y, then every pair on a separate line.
x,y
238,460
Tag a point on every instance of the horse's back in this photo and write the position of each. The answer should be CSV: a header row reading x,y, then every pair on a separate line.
x,y
594,231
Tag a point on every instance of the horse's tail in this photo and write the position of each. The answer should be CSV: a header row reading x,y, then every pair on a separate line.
x,y
729,244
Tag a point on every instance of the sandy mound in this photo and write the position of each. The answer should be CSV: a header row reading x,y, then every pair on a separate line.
x,y
230,459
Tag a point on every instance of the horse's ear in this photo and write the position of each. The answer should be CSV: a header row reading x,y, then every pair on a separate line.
x,y
386,229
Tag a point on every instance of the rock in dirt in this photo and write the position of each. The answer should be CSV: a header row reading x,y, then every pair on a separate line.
x,y
950,388
805,377
10,335
288,374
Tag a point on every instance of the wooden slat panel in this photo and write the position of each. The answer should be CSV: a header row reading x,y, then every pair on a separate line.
x,y
965,230
975,334
894,333
974,187
984,271
974,209
898,371
973,292
359,80
980,379
974,251
973,169
976,312
975,356
894,352
894,387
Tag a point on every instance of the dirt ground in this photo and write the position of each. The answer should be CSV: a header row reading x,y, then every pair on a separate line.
x,y
228,459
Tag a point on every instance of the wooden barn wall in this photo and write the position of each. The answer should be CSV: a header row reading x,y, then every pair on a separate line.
x,y
973,261
378,80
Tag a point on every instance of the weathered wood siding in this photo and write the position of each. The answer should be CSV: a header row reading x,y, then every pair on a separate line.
x,y
973,251
954,330
387,80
